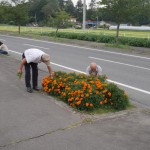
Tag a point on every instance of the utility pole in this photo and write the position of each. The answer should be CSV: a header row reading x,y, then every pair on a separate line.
x,y
84,14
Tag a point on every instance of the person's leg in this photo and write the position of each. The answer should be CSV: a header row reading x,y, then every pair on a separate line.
x,y
35,75
3,52
27,75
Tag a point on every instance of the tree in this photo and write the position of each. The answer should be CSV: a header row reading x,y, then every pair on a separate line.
x,y
69,8
144,17
60,20
35,10
92,13
42,10
16,2
61,4
79,10
20,14
50,8
5,14
122,11
92,4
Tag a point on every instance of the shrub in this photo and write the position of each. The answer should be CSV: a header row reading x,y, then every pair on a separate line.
x,y
119,97
85,92
131,41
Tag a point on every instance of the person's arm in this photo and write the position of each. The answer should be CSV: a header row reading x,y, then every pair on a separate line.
x,y
88,71
23,62
50,71
99,70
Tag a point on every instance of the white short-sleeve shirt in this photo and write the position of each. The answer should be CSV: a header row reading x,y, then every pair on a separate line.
x,y
33,55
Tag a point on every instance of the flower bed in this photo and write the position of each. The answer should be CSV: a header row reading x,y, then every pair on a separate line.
x,y
85,92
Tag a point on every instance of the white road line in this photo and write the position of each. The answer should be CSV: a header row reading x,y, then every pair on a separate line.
x,y
15,52
130,87
68,68
120,63
124,85
35,46
90,49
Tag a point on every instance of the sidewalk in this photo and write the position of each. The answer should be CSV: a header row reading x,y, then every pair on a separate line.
x,y
35,121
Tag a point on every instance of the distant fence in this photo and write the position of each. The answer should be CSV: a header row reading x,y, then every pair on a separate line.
x,y
144,28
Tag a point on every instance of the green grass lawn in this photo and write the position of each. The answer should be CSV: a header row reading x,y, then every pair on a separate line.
x,y
36,30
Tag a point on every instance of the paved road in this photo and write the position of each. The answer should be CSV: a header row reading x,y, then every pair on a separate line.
x,y
129,71
35,121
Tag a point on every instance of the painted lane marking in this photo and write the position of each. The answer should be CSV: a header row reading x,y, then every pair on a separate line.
x,y
91,49
35,46
120,63
124,85
67,68
15,52
130,87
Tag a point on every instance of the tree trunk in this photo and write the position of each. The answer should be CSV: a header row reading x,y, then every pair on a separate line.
x,y
117,33
19,28
57,30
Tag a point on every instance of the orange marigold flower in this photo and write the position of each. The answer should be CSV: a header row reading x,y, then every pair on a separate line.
x,y
49,90
92,82
90,91
87,104
105,101
78,103
77,98
101,102
109,94
97,92
91,105
81,99
64,94
82,95
87,95
104,91
71,104
46,87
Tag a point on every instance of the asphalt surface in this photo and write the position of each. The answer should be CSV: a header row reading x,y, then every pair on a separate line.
x,y
130,71
36,121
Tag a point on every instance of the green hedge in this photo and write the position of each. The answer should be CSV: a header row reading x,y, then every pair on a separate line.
x,y
131,41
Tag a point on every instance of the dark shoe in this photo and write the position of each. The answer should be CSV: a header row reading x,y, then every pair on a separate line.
x,y
36,88
29,89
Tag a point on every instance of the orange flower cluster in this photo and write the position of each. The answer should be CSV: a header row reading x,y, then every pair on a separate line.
x,y
79,91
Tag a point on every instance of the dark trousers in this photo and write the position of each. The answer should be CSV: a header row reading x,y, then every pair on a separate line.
x,y
3,52
28,67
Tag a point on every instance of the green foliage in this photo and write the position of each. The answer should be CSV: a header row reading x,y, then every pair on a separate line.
x,y
85,92
122,11
137,42
119,97
79,10
61,20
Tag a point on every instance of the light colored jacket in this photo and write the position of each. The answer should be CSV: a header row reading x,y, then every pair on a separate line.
x,y
4,47
97,72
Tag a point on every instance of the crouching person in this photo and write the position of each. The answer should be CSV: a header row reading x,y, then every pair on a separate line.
x,y
30,59
94,69
3,49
